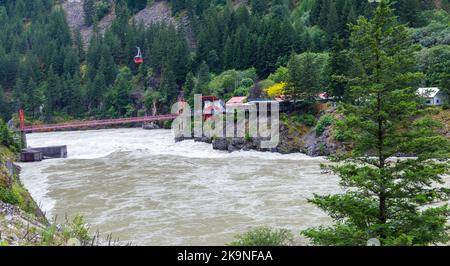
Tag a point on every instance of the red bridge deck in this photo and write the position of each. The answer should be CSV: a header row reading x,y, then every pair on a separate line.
x,y
97,123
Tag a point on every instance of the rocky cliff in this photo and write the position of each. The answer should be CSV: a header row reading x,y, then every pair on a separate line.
x,y
157,12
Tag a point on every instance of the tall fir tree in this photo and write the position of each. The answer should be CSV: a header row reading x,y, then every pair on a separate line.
x,y
304,77
384,197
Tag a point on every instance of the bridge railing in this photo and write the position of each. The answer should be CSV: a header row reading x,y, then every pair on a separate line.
x,y
93,123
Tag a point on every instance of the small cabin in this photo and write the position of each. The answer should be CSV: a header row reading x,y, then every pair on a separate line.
x,y
236,101
433,96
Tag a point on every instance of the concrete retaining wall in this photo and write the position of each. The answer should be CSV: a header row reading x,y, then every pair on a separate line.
x,y
53,152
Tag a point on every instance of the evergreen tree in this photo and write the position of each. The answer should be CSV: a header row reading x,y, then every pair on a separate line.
x,y
168,87
189,86
89,12
304,79
315,12
121,96
180,62
34,99
259,7
386,198
20,92
52,94
4,106
348,17
332,28
202,80
71,95
178,5
338,66
409,12
324,12
95,91
228,54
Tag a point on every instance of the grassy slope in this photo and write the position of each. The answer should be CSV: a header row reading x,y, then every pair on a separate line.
x,y
443,116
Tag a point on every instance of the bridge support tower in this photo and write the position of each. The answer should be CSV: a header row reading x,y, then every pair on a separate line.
x,y
23,133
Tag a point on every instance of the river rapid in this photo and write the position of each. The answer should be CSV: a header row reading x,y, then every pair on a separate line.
x,y
142,187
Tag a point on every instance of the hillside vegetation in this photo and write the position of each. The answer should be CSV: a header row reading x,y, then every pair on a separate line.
x,y
74,59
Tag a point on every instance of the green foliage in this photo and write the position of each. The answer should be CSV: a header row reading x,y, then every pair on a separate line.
x,y
307,120
281,75
7,139
264,237
436,31
59,234
89,12
384,197
45,70
302,119
102,8
435,63
324,122
231,80
78,229
304,76
7,196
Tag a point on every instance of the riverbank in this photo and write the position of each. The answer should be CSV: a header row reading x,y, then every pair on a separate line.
x,y
311,135
23,223
315,139
20,217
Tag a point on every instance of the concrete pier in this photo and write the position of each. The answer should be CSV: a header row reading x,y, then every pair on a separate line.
x,y
53,152
29,155
41,153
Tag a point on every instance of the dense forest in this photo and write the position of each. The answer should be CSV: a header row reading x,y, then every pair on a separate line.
x,y
260,48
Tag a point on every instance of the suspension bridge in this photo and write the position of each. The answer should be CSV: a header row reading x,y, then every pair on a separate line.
x,y
38,154
89,124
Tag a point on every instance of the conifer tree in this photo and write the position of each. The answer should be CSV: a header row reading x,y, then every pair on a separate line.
x,y
385,197
338,66
52,92
202,79
89,12
96,90
332,27
4,106
304,79
315,12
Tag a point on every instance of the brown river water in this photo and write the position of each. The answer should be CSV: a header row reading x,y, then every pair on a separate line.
x,y
142,187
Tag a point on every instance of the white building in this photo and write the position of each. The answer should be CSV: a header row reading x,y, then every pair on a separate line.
x,y
434,96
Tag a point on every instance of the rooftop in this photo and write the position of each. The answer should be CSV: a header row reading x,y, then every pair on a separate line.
x,y
237,100
428,92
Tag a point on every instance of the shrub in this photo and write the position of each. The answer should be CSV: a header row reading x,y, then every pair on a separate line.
x,y
281,75
339,135
7,138
264,236
8,196
306,120
241,91
247,82
59,234
102,9
48,235
446,106
324,122
277,89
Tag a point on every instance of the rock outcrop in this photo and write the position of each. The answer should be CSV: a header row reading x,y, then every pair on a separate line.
x,y
18,228
75,18
158,12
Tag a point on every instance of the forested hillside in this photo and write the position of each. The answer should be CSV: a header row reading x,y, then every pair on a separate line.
x,y
255,47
